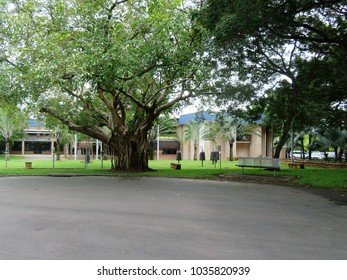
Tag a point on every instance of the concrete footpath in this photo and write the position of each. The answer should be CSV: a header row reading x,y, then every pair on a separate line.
x,y
161,218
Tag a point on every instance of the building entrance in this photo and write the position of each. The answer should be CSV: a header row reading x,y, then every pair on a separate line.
x,y
37,147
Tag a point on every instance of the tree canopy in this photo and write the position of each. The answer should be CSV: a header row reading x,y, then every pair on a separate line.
x,y
285,58
105,64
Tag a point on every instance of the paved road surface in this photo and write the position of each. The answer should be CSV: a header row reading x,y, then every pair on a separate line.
x,y
152,218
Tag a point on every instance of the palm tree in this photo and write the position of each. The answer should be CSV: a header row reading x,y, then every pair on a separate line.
x,y
194,132
230,127
331,138
212,133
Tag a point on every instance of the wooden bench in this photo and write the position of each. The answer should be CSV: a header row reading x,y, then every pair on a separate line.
x,y
175,166
259,162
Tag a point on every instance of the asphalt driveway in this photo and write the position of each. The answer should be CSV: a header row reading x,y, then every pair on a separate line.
x,y
160,218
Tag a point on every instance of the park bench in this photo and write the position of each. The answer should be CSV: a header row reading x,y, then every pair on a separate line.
x,y
259,162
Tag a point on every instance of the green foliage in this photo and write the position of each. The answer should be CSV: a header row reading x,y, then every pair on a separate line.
x,y
229,127
327,138
195,131
167,127
12,122
314,23
288,60
114,64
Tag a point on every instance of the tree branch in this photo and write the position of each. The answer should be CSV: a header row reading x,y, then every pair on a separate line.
x,y
6,60
133,99
95,131
182,96
141,73
115,4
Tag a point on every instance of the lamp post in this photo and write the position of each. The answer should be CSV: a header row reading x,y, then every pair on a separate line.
x,y
97,150
292,144
53,156
158,143
58,135
75,146
102,156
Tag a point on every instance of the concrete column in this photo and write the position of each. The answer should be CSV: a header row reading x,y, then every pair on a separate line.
x,y
97,149
52,147
23,147
75,147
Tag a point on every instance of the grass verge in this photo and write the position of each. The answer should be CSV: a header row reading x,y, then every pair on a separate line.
x,y
311,177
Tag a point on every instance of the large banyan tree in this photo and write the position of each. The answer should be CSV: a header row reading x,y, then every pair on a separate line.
x,y
104,68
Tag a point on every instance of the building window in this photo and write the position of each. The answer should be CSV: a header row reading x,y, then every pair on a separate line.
x,y
17,146
37,147
244,138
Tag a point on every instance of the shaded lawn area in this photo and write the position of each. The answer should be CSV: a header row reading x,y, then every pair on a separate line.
x,y
310,176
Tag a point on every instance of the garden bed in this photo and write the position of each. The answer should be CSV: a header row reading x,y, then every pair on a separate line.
x,y
317,163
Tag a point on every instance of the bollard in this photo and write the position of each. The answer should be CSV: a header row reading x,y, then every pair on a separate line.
x,y
202,157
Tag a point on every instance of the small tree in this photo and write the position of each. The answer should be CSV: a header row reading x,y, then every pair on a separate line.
x,y
64,136
331,138
12,124
229,127
6,128
212,133
68,139
194,132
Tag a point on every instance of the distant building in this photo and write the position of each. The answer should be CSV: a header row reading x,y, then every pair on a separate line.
x,y
167,149
38,140
259,143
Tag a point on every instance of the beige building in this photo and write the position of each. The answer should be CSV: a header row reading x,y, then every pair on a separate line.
x,y
38,140
258,143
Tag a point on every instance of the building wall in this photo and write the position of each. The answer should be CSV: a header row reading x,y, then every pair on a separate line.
x,y
243,149
256,144
259,145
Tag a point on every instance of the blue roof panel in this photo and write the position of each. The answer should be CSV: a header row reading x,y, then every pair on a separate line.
x,y
187,118
36,124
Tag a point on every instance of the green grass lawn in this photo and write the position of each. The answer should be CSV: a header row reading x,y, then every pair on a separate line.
x,y
313,177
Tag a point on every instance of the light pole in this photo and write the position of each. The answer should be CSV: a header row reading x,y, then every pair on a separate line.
x,y
75,147
53,156
58,136
292,143
97,150
158,141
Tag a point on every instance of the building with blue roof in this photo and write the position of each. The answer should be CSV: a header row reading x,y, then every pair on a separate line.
x,y
37,140
40,140
258,143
